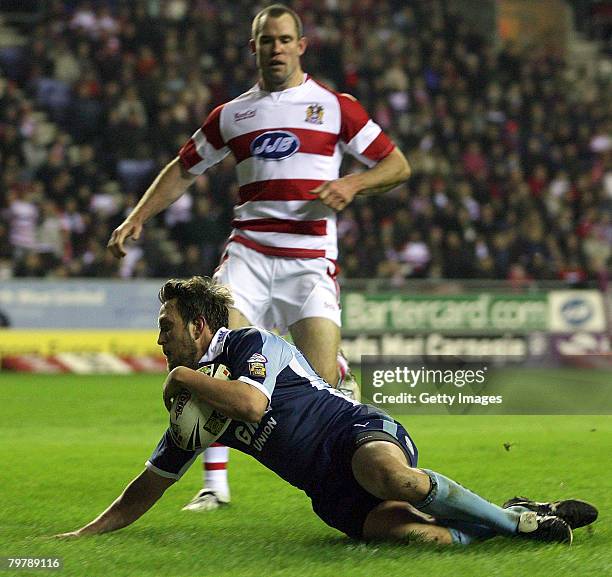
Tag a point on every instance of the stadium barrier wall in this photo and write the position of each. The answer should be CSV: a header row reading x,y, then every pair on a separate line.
x,y
536,327
110,326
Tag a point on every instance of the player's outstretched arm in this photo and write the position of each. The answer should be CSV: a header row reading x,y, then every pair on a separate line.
x,y
387,174
137,498
170,184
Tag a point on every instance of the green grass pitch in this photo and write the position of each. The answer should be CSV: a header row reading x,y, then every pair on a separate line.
x,y
71,443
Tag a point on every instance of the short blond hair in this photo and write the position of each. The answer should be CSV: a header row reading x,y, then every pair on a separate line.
x,y
276,11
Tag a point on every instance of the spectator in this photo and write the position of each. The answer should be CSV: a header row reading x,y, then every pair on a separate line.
x,y
22,216
512,158
415,255
50,235
458,258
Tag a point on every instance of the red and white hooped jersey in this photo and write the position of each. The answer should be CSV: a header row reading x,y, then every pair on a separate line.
x,y
286,143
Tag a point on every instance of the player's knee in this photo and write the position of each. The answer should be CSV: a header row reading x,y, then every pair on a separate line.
x,y
377,472
381,469
389,480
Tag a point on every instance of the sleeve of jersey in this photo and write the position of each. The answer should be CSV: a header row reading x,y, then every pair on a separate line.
x,y
170,461
256,358
363,138
206,147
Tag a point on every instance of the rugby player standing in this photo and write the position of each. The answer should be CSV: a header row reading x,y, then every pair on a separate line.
x,y
288,134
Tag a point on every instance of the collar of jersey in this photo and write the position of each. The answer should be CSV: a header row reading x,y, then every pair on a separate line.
x,y
215,348
287,90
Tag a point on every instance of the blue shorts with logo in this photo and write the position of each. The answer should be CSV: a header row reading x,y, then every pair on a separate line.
x,y
342,503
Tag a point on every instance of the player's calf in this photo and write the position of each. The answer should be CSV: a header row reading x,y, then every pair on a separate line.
x,y
398,521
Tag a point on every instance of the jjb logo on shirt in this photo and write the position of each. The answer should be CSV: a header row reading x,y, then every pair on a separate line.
x,y
275,145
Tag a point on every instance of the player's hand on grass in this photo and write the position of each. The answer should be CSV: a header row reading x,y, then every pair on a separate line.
x,y
69,535
336,194
127,229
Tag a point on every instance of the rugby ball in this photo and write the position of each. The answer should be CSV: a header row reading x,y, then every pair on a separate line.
x,y
193,424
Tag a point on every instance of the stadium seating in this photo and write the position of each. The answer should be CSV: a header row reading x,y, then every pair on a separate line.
x,y
511,152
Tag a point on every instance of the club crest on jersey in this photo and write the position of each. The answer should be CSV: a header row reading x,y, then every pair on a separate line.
x,y
275,145
314,114
257,365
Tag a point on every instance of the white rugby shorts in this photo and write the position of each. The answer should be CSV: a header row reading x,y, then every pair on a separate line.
x,y
276,292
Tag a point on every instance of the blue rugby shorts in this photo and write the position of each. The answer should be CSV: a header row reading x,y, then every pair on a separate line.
x,y
340,501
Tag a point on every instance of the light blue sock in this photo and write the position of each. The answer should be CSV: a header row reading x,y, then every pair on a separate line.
x,y
449,500
460,537
463,533
470,533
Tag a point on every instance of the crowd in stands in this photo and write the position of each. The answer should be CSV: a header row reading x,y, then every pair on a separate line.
x,y
511,152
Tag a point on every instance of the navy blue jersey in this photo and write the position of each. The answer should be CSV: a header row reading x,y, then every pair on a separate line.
x,y
304,411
